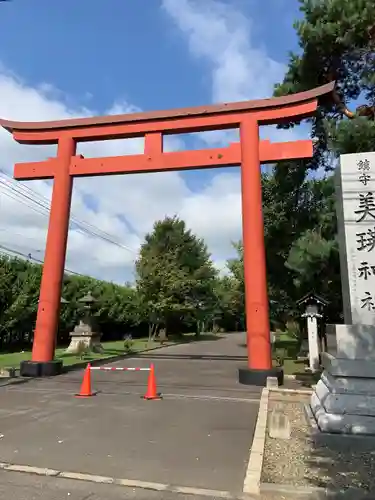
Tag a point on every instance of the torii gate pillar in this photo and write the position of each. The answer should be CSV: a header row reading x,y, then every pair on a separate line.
x,y
250,152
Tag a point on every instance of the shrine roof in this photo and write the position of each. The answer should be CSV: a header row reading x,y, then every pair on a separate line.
x,y
253,105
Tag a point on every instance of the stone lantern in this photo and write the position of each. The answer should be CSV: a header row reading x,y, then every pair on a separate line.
x,y
272,334
313,308
87,331
63,302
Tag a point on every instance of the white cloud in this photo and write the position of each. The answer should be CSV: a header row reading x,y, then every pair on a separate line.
x,y
222,36
125,207
117,204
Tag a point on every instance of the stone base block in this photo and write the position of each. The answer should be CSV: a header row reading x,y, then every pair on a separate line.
x,y
344,398
345,403
339,367
341,423
41,369
91,343
340,385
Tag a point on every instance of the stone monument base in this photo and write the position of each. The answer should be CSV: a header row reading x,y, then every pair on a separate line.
x,y
91,342
344,398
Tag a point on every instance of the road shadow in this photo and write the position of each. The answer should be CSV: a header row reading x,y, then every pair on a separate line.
x,y
208,357
196,338
6,382
116,355
344,464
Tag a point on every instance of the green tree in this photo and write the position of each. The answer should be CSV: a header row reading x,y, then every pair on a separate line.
x,y
19,290
301,248
337,41
117,310
175,275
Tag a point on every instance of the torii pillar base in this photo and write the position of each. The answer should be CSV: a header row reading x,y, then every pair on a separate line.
x,y
250,376
41,368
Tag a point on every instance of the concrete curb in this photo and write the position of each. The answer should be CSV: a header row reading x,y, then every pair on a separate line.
x,y
127,483
254,468
252,483
11,381
306,392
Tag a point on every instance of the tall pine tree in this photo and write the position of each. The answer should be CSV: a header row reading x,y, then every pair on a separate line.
x,y
337,41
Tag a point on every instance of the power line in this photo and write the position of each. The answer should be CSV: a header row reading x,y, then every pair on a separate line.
x,y
30,257
27,195
41,205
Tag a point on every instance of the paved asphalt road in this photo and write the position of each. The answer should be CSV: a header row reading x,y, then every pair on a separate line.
x,y
19,486
198,436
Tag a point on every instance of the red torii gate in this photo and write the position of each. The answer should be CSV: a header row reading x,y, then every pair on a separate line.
x,y
248,153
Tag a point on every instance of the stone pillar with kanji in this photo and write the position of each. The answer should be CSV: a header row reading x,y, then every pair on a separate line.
x,y
344,398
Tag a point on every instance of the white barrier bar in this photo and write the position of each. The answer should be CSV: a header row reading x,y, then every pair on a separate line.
x,y
119,369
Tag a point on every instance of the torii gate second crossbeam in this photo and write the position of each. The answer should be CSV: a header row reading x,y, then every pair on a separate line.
x,y
248,153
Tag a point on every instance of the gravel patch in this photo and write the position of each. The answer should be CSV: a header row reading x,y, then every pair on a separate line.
x,y
316,460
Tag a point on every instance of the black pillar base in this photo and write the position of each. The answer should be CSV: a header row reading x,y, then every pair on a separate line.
x,y
249,376
41,368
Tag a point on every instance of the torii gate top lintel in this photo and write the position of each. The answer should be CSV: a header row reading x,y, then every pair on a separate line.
x,y
249,152
181,120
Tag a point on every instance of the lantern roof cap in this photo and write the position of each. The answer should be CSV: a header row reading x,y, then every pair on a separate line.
x,y
312,297
87,299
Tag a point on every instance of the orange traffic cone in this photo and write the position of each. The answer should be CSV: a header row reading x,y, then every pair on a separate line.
x,y
151,386
86,391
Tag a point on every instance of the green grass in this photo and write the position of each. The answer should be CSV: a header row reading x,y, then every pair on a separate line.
x,y
292,365
287,342
286,337
290,346
111,349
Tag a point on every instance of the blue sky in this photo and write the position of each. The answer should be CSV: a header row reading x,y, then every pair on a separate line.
x,y
96,51
94,57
